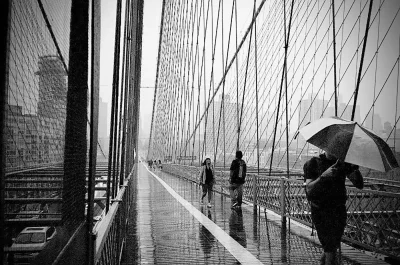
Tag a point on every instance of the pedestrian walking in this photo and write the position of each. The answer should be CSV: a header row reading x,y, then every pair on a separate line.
x,y
207,180
159,164
347,146
325,178
238,171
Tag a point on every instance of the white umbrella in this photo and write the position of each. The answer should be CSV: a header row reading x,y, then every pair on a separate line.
x,y
350,142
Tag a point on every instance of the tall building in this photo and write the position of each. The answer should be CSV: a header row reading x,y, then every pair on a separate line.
x,y
313,108
374,123
52,104
52,87
220,125
34,139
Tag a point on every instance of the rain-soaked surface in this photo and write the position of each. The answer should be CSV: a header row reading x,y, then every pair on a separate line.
x,y
168,232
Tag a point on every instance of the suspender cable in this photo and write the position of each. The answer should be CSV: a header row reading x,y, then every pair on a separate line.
x,y
193,77
245,74
286,94
237,81
256,68
397,98
190,96
362,61
185,80
283,74
223,85
213,44
111,152
127,85
334,57
234,57
157,75
94,118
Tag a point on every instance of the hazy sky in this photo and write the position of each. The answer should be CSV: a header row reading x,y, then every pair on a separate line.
x,y
151,28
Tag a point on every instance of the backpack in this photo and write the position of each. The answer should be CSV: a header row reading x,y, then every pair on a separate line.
x,y
242,173
239,175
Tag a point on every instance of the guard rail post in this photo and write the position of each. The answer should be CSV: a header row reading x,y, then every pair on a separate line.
x,y
222,182
283,206
255,191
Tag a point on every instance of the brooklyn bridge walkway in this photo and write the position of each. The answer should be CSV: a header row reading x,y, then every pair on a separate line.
x,y
175,228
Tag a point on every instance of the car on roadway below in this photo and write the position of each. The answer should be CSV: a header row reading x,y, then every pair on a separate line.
x,y
30,241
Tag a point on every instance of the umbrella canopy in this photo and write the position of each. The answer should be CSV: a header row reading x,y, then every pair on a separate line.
x,y
350,142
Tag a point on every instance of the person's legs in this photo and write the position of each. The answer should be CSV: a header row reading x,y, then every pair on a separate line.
x,y
209,191
330,224
204,188
232,192
240,194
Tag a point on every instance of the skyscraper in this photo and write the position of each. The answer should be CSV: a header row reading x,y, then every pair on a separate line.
x,y
52,87
311,109
220,125
52,105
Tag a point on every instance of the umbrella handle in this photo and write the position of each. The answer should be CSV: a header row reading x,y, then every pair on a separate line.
x,y
336,163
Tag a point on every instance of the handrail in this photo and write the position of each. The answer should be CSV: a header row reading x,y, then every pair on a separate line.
x,y
104,231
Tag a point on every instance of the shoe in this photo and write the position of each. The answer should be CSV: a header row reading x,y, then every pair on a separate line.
x,y
209,205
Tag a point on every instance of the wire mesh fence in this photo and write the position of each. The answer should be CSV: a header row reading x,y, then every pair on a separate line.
x,y
54,190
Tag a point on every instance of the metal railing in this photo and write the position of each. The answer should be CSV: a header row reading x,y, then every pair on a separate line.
x,y
111,233
373,217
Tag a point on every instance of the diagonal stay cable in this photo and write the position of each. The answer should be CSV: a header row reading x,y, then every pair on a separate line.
x,y
227,70
283,73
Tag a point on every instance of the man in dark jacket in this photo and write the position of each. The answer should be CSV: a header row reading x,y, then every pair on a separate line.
x,y
325,178
237,178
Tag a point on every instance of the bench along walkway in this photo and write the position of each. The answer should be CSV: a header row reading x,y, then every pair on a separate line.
x,y
173,227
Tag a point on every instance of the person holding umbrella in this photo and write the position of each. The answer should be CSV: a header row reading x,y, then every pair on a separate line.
x,y
347,145
325,189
